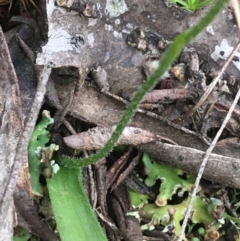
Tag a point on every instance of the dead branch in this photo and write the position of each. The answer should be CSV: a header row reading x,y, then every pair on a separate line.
x,y
96,138
11,126
20,148
87,103
220,169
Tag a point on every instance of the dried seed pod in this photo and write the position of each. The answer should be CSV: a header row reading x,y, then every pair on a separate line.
x,y
87,9
142,45
163,43
137,39
179,71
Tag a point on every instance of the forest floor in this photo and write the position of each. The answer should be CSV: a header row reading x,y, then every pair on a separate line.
x,y
108,58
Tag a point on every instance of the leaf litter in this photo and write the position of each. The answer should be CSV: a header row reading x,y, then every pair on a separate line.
x,y
204,121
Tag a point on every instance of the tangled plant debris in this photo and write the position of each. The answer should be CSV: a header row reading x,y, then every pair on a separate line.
x,y
104,51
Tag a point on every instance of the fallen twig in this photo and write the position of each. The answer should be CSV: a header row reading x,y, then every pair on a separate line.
x,y
221,169
11,126
96,138
25,137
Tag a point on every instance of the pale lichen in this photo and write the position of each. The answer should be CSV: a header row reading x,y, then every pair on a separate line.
x,y
90,39
115,8
117,34
222,51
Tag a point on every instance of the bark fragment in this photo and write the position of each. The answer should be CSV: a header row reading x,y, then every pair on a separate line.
x,y
11,125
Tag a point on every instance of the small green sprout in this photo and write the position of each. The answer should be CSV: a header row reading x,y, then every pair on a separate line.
x,y
39,153
191,5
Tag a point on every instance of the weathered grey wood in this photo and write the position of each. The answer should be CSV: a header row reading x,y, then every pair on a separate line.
x,y
11,125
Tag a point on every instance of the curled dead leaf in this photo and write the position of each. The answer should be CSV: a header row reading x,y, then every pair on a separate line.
x,y
169,94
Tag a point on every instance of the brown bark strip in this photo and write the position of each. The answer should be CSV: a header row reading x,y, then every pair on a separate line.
x,y
12,157
11,125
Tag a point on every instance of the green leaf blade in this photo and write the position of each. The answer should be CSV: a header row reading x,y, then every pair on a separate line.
x,y
73,213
